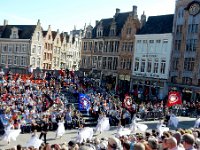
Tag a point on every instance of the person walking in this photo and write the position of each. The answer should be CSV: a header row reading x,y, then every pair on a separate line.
x,y
44,129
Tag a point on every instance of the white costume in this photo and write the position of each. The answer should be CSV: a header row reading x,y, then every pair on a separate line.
x,y
84,134
173,120
34,141
197,123
103,124
138,127
123,131
61,129
162,128
11,133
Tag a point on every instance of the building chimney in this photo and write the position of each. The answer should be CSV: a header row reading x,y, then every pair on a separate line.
x,y
117,11
143,19
96,22
5,22
134,11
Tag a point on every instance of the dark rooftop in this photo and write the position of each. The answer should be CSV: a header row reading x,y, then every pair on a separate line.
x,y
158,25
25,31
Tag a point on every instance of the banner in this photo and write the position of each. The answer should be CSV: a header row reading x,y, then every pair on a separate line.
x,y
127,103
174,98
47,102
84,102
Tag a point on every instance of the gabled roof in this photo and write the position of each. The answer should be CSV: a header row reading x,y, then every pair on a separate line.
x,y
158,25
54,33
119,19
25,31
44,33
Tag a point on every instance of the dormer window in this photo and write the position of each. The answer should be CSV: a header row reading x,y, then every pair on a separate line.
x,y
14,33
38,36
112,32
88,34
99,32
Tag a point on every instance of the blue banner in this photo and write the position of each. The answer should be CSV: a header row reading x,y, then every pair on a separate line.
x,y
84,102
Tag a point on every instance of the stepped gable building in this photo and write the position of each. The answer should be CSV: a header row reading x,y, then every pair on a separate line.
x,y
21,46
48,49
63,55
152,56
74,49
185,66
100,49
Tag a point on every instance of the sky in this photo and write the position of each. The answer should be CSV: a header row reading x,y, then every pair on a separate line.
x,y
67,14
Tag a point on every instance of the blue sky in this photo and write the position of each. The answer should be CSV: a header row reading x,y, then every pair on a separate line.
x,y
64,14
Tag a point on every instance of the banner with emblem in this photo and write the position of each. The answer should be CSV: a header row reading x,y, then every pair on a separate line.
x,y
174,98
84,102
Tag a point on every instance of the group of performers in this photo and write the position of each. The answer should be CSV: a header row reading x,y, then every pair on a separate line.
x,y
85,133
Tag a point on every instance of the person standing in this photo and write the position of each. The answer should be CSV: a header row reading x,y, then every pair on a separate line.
x,y
44,129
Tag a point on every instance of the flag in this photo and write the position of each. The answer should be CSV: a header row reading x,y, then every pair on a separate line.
x,y
127,103
84,102
174,98
47,102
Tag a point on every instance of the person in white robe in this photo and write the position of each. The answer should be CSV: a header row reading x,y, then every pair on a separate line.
x,y
61,128
173,121
137,127
103,123
121,131
162,128
34,141
197,123
11,133
84,134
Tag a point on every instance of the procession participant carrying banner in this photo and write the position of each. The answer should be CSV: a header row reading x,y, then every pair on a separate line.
x,y
47,102
84,102
128,103
174,98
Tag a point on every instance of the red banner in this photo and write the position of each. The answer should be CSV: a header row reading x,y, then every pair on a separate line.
x,y
174,98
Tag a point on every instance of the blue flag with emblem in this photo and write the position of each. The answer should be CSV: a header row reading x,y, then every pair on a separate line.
x,y
84,102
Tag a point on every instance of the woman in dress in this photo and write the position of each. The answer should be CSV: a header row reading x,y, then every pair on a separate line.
x,y
103,123
11,133
34,141
61,128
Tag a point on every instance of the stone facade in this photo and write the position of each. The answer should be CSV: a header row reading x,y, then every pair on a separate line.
x,y
185,66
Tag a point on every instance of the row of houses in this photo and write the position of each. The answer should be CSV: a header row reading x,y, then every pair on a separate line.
x,y
22,46
150,57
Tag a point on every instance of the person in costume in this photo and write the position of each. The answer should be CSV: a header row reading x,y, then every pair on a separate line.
x,y
61,128
103,123
34,141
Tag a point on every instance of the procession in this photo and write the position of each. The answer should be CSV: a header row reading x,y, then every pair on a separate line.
x,y
34,104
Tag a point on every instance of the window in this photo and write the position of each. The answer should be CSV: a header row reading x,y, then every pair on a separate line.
x,y
155,70
104,63
142,65
187,80
149,64
193,28
123,63
10,59
174,79
33,62
10,48
24,47
39,50
175,63
16,60
23,61
151,41
110,63
189,64
144,41
38,62
165,41
128,64
3,59
115,63
177,45
17,48
85,46
179,28
38,36
112,32
54,61
4,48
137,63
163,66
158,41
139,41
191,45
128,30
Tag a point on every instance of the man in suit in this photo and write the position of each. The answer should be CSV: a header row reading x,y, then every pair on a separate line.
x,y
44,129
